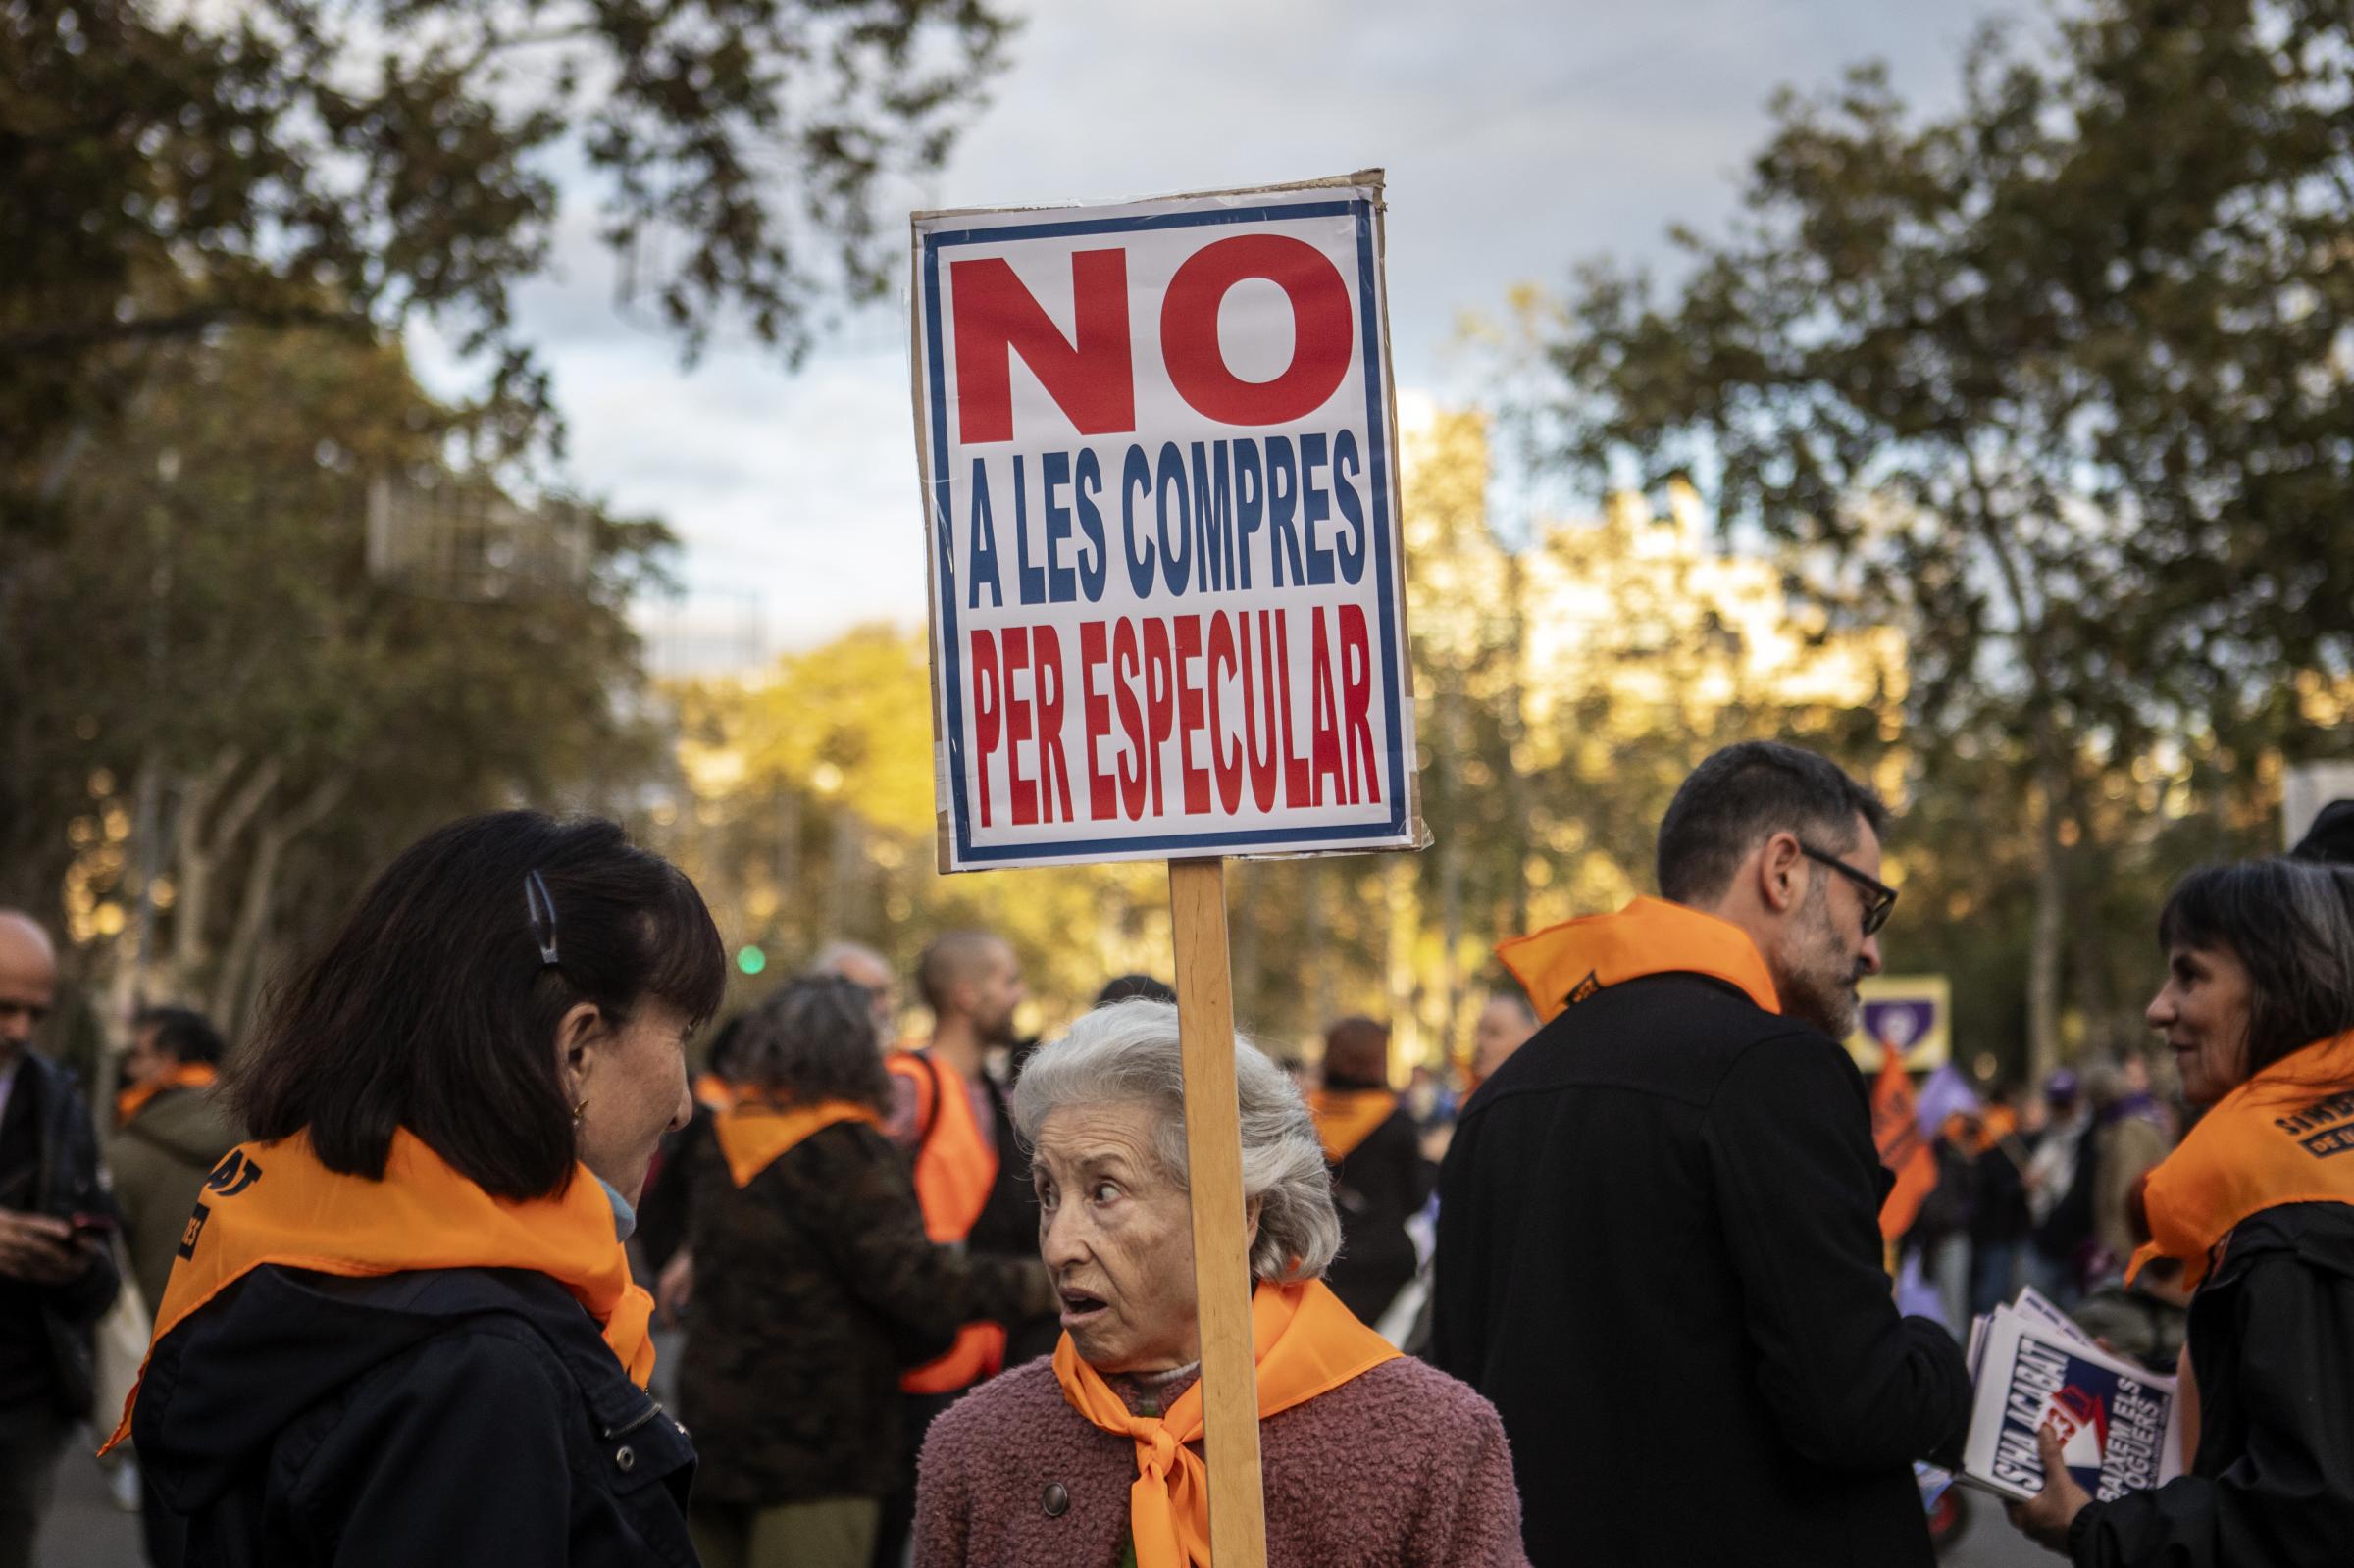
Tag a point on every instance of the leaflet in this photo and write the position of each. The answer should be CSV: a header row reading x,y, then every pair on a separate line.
x,y
2117,1421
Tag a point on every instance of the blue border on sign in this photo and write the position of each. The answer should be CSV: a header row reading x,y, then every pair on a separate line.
x,y
1377,469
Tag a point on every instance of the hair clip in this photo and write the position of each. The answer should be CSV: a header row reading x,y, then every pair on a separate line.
x,y
542,911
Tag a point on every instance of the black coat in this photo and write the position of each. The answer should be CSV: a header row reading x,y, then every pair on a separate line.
x,y
49,1165
1660,1257
2271,1336
1377,1187
460,1418
815,1287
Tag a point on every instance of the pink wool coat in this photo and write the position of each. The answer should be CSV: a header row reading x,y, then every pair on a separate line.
x,y
1401,1467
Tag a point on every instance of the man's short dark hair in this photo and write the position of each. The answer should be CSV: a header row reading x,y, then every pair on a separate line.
x,y
182,1034
1744,794
436,1009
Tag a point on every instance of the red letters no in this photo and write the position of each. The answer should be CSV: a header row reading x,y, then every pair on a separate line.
x,y
1092,379
1189,329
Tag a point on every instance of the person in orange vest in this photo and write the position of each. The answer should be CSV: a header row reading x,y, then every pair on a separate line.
x,y
970,1176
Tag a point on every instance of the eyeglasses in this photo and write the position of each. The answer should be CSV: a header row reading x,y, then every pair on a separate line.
x,y
1878,897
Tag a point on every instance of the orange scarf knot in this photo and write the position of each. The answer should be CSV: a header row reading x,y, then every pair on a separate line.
x,y
2285,1136
1304,1343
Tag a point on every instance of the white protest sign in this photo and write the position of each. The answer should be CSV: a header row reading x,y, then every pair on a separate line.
x,y
1159,461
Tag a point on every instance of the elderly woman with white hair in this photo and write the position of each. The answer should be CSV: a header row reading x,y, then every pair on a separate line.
x,y
1091,1458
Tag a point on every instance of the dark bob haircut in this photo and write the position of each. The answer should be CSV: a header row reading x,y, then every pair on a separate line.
x,y
2291,924
1744,794
813,1040
182,1034
1356,1054
433,1008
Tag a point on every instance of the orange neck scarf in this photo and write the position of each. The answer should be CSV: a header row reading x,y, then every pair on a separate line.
x,y
275,1203
714,1091
184,1075
752,1136
2285,1136
1306,1343
1571,961
1346,1117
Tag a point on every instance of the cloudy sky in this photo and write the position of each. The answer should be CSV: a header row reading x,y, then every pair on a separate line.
x,y
1519,136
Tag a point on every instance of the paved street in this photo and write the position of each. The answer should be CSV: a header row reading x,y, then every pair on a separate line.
x,y
86,1530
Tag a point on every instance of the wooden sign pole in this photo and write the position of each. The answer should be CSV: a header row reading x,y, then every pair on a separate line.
x,y
1213,1148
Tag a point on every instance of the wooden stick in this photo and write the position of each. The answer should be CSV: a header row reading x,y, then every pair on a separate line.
x,y
1214,1149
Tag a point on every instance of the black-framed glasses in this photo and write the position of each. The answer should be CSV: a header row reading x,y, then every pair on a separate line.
x,y
1878,897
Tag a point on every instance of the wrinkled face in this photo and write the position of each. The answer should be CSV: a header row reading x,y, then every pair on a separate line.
x,y
1502,1030
631,1083
1116,1233
1827,952
2203,1011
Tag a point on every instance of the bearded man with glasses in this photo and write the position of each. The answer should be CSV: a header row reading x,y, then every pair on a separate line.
x,y
1659,1244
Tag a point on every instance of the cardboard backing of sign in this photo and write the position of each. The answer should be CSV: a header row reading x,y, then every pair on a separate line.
x,y
1157,444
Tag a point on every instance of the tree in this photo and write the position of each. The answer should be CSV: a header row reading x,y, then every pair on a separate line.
x,y
170,168
2058,384
219,724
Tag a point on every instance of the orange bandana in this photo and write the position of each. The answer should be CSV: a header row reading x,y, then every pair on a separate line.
x,y
1571,961
1306,1343
714,1090
2285,1136
753,1135
1346,1117
275,1203
184,1075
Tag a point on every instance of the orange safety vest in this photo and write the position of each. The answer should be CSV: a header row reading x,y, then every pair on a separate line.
x,y
955,1167
185,1075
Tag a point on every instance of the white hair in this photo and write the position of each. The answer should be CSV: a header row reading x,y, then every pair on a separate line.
x,y
1127,1053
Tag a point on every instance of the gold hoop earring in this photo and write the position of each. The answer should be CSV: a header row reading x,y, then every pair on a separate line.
x,y
578,1106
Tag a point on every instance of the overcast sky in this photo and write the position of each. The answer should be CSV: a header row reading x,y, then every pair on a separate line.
x,y
1519,136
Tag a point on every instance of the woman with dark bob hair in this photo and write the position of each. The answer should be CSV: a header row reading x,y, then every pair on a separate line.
x,y
401,1328
2257,1211
816,1286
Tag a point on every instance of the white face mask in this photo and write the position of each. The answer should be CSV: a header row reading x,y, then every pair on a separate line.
x,y
625,1218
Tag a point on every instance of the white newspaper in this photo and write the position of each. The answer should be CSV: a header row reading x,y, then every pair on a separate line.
x,y
2030,1365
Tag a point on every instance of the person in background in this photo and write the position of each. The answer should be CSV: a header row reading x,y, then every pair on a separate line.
x,y
1941,1231
1659,1248
2331,838
1998,1225
819,1287
1379,1178
171,1130
950,1117
664,1214
1092,1458
56,1279
402,1330
2126,1143
1133,988
1506,1022
2257,1209
2059,1187
870,971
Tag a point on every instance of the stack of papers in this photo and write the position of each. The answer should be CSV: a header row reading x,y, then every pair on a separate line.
x,y
2031,1364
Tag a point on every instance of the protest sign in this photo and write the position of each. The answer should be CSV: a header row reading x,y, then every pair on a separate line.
x,y
1914,1013
1159,455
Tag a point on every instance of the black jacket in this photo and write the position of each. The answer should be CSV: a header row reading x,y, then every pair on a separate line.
x,y
1377,1187
815,1287
460,1418
2271,1336
49,1165
1660,1257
